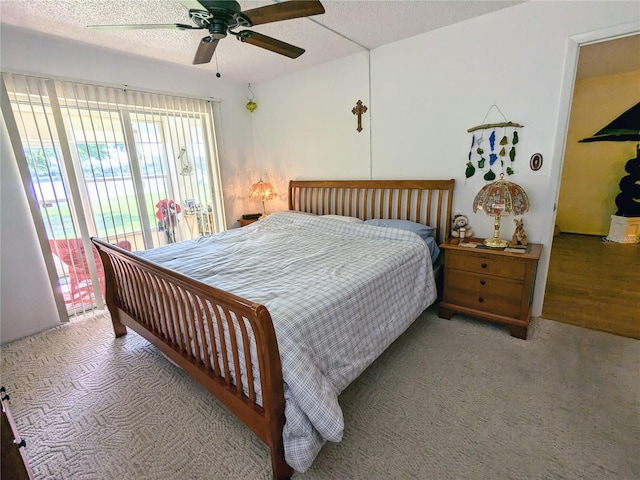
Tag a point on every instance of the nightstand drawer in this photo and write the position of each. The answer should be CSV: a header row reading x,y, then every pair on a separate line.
x,y
487,264
484,292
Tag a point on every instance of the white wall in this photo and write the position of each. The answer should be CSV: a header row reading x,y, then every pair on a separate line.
x,y
449,79
304,128
26,52
427,91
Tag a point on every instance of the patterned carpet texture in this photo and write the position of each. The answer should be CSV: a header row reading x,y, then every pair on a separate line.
x,y
451,399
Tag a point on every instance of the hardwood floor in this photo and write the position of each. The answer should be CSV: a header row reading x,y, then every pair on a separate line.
x,y
594,284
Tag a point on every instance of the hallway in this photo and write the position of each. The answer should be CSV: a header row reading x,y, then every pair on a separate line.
x,y
594,284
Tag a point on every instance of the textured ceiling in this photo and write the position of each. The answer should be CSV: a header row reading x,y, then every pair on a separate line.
x,y
347,27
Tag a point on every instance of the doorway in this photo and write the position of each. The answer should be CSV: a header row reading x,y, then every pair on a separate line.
x,y
605,85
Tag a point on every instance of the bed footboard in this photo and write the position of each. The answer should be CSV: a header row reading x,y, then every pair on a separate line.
x,y
225,342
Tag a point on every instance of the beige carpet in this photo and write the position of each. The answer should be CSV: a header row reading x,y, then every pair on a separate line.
x,y
451,399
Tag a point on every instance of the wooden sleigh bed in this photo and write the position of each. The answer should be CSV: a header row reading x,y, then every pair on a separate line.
x,y
176,313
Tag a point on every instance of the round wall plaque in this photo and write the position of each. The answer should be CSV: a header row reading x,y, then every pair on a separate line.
x,y
536,161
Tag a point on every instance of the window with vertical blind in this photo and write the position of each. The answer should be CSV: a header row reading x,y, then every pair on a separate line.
x,y
137,169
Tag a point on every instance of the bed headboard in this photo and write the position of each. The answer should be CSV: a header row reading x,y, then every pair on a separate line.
x,y
423,201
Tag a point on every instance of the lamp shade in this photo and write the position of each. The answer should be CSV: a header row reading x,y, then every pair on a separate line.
x,y
262,191
497,199
624,128
501,198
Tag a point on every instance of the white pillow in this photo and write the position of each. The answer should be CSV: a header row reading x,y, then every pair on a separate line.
x,y
425,231
301,212
343,218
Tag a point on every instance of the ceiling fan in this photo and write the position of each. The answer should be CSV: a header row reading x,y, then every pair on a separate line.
x,y
220,17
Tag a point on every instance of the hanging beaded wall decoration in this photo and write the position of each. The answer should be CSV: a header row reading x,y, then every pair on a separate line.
x,y
491,158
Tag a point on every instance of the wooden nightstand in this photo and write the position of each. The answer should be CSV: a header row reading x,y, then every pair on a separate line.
x,y
245,222
490,284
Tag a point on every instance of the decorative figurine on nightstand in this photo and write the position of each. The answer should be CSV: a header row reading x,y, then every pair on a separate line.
x,y
460,221
519,236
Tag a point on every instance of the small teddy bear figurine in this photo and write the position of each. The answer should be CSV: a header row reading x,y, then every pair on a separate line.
x,y
460,221
519,236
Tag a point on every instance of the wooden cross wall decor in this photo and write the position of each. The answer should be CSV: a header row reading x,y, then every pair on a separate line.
x,y
358,110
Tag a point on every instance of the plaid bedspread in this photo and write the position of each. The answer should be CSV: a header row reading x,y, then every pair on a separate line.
x,y
338,293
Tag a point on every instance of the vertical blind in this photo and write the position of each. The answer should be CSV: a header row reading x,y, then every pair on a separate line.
x,y
134,168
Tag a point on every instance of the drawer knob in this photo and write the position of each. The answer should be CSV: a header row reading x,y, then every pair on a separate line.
x,y
481,299
482,282
484,265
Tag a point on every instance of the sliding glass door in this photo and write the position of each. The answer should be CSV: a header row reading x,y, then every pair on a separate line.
x,y
136,169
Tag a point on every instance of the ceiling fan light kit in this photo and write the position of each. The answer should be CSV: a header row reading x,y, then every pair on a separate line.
x,y
220,17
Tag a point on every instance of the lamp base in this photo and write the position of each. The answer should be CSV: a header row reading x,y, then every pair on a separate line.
x,y
495,242
264,211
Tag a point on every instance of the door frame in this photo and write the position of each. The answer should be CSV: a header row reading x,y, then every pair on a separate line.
x,y
574,43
